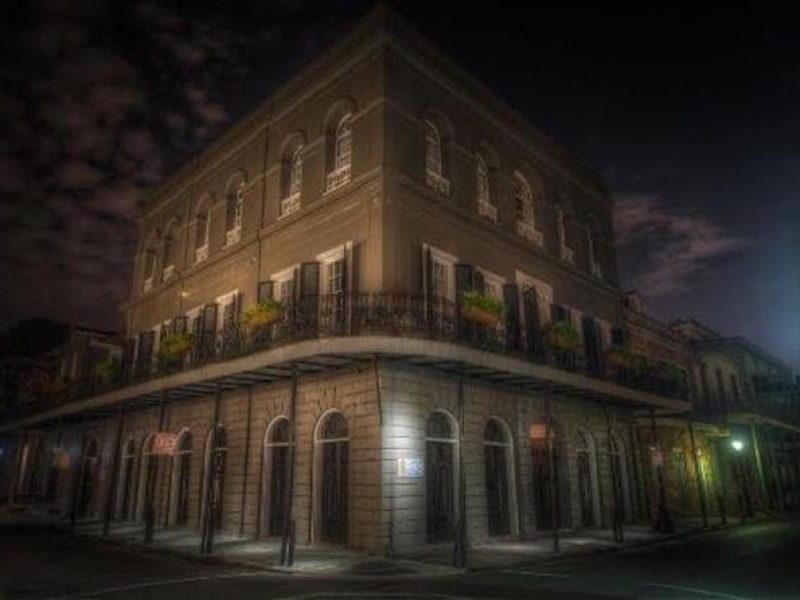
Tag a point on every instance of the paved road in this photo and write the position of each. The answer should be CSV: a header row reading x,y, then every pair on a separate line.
x,y
760,560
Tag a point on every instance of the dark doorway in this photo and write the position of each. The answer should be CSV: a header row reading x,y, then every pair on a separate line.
x,y
495,446
334,456
216,469
278,448
440,446
184,464
126,492
87,479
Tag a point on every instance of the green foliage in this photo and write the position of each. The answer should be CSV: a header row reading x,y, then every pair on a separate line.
x,y
262,314
107,370
175,346
561,336
481,307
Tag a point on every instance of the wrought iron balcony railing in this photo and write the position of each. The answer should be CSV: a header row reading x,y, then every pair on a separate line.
x,y
363,314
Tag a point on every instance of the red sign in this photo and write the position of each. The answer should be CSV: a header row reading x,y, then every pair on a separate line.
x,y
165,443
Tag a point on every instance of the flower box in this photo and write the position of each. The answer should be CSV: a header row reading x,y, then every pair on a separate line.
x,y
562,337
481,308
107,370
174,347
262,315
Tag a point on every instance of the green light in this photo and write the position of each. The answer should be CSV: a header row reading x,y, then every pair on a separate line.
x,y
737,445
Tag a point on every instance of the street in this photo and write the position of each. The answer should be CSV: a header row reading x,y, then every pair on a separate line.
x,y
755,561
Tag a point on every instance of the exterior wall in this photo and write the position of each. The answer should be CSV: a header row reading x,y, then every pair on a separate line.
x,y
409,396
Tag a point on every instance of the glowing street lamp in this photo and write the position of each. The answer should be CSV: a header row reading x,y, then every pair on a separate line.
x,y
737,445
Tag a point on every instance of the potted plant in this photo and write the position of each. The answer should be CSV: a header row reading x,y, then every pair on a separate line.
x,y
621,357
262,315
107,370
561,337
175,346
481,308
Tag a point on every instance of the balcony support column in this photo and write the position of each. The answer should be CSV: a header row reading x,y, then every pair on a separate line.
x,y
207,536
766,500
460,544
288,532
663,522
246,457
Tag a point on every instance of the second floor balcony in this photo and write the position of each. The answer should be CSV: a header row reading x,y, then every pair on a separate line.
x,y
415,328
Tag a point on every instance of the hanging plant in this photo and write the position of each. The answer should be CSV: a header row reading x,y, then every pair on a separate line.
x,y
175,346
621,357
481,308
262,315
107,370
561,337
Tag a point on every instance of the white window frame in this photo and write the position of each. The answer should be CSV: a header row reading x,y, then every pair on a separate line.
x,y
280,278
565,251
234,234
201,252
494,281
526,222
326,260
486,207
222,302
342,154
448,261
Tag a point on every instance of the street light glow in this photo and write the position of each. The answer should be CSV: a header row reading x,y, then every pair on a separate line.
x,y
737,445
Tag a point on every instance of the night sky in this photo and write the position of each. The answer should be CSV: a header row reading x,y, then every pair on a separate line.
x,y
694,119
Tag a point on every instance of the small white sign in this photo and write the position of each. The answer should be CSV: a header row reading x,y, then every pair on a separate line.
x,y
410,467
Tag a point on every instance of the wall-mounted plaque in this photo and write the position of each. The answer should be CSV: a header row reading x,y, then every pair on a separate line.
x,y
412,468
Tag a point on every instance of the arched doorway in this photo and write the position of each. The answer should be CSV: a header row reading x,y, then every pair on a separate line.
x,y
548,493
126,481
276,463
182,467
619,475
586,466
215,468
148,467
86,489
498,471
440,477
332,442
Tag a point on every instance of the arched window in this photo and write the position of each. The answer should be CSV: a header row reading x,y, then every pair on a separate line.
x,y
276,464
523,202
126,489
168,252
594,263
440,477
149,267
292,181
433,150
499,477
234,209
588,499
342,154
202,230
332,465
485,205
182,467
564,250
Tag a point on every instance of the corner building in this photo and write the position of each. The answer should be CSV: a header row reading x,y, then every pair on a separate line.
x,y
397,302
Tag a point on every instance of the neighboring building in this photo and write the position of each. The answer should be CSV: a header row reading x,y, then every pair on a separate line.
x,y
366,309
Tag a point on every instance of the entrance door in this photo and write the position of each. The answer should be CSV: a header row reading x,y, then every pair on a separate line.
x,y
440,478
333,502
126,492
278,448
184,465
585,459
87,479
497,497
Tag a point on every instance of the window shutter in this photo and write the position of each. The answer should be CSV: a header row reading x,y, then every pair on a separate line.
x,y
533,328
309,293
208,329
230,211
427,270
128,352
478,281
511,303
146,339
266,290
591,342
464,278
343,272
560,312
163,332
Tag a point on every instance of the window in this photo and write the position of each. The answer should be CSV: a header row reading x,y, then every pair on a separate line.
x,y
149,269
234,210
342,154
523,201
201,235
434,177
283,286
564,251
485,206
293,175
167,256
442,278
492,284
594,266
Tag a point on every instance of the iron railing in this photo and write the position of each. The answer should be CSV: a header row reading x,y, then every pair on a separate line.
x,y
358,314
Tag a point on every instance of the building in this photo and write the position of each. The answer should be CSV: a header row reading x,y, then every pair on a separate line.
x,y
381,312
